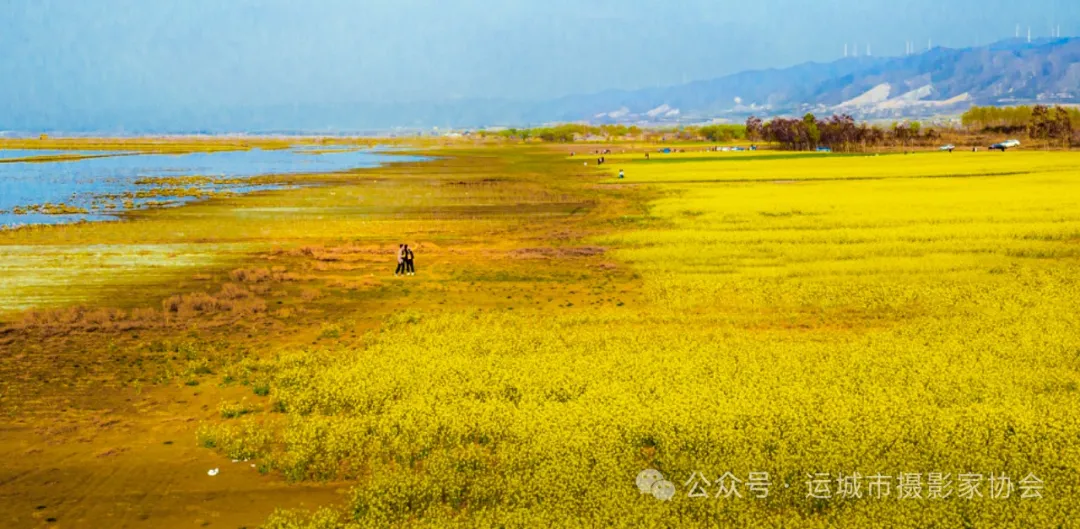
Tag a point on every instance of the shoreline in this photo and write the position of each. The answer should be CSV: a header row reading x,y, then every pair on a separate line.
x,y
103,207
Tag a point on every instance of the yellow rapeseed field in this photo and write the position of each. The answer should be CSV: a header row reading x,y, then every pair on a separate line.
x,y
826,341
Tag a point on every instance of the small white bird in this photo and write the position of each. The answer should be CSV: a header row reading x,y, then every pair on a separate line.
x,y
212,472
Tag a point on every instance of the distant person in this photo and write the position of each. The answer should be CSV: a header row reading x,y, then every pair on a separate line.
x,y
400,260
646,156
621,173
409,268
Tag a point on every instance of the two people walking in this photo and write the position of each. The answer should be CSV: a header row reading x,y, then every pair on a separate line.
x,y
405,261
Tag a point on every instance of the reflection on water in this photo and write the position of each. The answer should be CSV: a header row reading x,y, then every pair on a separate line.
x,y
97,188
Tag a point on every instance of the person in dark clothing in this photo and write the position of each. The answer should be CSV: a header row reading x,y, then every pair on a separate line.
x,y
400,260
409,268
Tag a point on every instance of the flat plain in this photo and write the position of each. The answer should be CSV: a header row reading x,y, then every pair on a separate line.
x,y
728,319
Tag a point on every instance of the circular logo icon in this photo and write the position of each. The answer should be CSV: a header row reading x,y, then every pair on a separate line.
x,y
647,478
663,490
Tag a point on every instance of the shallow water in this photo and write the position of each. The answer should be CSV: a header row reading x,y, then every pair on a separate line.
x,y
90,182
11,154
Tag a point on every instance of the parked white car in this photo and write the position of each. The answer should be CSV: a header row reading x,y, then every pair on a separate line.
x,y
1008,144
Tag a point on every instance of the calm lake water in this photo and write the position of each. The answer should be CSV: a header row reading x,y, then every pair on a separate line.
x,y
9,154
87,183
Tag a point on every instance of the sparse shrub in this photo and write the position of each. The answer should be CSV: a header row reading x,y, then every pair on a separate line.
x,y
145,315
199,367
330,331
250,275
260,289
234,291
190,304
232,410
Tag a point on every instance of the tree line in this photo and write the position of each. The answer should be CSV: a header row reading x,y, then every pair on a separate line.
x,y
1020,119
838,132
566,132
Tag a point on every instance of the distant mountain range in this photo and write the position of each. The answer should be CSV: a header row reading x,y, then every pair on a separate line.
x,y
939,81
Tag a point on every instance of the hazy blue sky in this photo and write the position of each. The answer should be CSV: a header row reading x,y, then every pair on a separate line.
x,y
131,53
